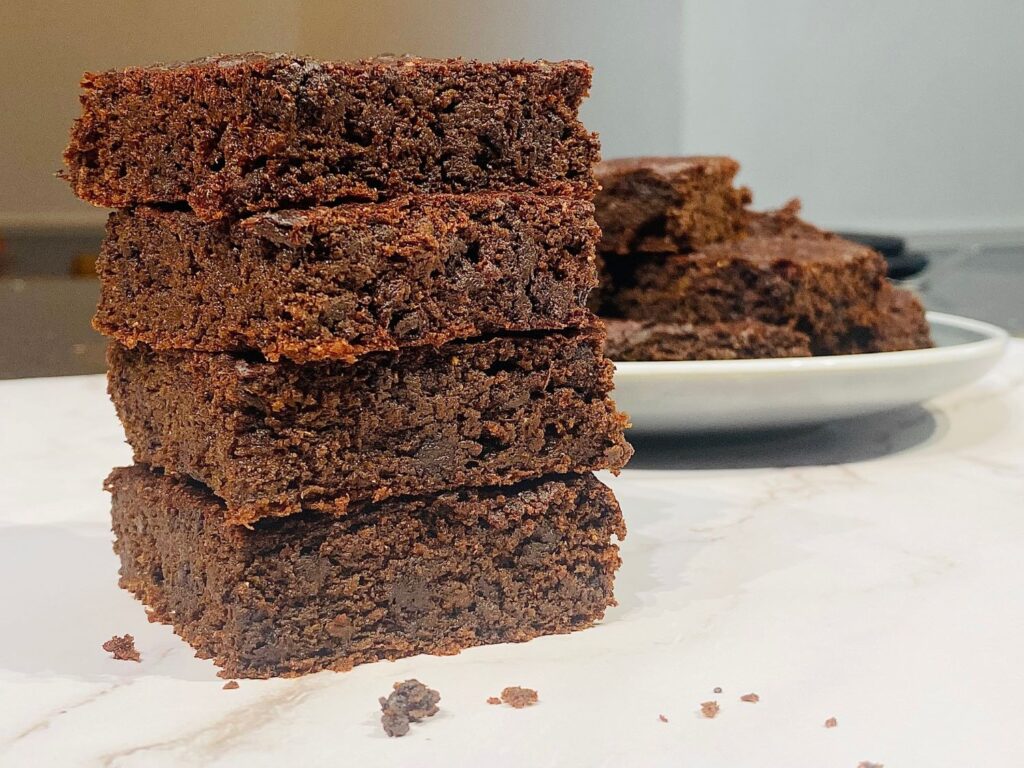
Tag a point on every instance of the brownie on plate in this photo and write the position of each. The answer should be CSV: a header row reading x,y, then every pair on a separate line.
x,y
633,340
390,579
235,134
271,438
337,282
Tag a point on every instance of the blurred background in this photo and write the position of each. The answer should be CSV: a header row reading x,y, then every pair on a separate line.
x,y
903,117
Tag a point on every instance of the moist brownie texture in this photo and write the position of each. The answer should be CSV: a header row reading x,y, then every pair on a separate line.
x,y
630,340
269,438
234,134
391,579
668,204
342,281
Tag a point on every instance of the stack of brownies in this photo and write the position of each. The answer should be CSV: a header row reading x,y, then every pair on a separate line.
x,y
690,272
352,353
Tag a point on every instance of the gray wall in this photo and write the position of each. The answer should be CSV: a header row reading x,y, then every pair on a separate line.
x,y
903,115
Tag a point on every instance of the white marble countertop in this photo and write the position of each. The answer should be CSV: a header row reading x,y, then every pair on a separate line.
x,y
871,571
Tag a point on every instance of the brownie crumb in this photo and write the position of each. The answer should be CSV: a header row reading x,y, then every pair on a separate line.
x,y
411,701
230,685
123,648
753,698
831,723
709,708
518,697
493,700
663,718
869,764
717,690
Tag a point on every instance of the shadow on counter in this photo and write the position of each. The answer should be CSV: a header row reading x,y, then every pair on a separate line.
x,y
839,442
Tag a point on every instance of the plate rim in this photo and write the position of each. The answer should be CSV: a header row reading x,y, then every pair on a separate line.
x,y
994,344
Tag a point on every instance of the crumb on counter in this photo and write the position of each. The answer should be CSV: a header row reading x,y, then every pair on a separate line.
x,y
493,700
709,708
717,689
518,697
831,723
230,685
409,702
753,698
663,718
122,648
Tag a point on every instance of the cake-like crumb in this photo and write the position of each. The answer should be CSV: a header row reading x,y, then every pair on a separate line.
x,y
753,698
709,708
831,723
493,700
717,690
518,697
663,718
411,701
230,685
122,648
869,764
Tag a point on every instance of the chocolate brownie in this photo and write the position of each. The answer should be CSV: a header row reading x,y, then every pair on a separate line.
x,y
236,134
342,281
668,204
825,287
391,579
630,340
269,438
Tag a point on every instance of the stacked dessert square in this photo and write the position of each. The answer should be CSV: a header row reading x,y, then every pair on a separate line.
x,y
352,353
690,272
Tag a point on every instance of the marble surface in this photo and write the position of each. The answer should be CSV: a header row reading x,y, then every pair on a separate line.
x,y
871,571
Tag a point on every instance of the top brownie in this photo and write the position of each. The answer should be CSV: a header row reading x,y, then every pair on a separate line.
x,y
240,134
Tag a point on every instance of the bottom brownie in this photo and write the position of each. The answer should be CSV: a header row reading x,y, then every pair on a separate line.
x,y
630,340
309,592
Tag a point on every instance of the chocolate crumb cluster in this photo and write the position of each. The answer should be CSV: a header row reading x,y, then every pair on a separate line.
x,y
753,698
831,723
231,685
122,647
409,702
518,698
709,709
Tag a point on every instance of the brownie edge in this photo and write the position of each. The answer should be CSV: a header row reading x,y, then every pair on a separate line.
x,y
393,579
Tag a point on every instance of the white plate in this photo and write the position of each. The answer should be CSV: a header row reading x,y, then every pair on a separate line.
x,y
714,395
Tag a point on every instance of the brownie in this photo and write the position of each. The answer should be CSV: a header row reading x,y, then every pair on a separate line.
x,y
391,579
236,134
337,282
825,287
668,204
271,438
632,340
